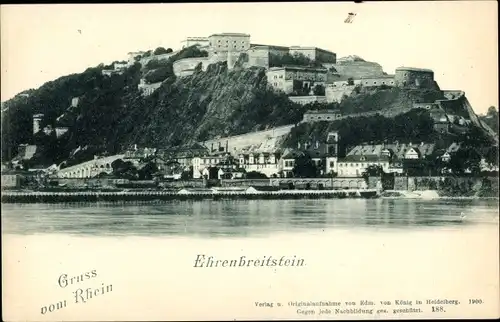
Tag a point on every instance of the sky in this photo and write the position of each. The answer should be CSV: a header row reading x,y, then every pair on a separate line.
x,y
457,39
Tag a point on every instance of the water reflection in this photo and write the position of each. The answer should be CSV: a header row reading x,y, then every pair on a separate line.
x,y
242,217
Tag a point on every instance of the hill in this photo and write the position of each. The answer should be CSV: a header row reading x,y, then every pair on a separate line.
x,y
112,113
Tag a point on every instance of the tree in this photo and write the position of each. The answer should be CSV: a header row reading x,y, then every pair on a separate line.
x,y
465,159
187,174
125,170
160,51
491,156
256,175
373,171
319,90
304,167
492,112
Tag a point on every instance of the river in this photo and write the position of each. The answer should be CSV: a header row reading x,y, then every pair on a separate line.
x,y
353,249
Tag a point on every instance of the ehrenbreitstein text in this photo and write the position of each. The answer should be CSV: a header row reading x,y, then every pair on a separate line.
x,y
243,261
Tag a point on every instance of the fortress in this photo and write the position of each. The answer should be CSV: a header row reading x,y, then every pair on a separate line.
x,y
229,47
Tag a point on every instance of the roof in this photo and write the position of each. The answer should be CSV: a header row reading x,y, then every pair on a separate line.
x,y
453,147
269,46
196,38
230,34
398,150
414,69
291,67
365,158
309,48
292,154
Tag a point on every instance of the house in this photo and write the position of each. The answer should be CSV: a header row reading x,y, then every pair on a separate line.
x,y
323,153
11,180
453,148
354,165
288,161
267,163
184,154
229,173
400,156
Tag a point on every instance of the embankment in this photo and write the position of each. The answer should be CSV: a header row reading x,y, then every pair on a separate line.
x,y
67,197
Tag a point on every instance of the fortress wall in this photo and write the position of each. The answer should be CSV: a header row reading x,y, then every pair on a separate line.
x,y
258,57
146,60
187,64
359,69
335,94
265,139
427,106
303,100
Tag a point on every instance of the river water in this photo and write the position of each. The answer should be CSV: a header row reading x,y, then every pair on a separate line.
x,y
353,249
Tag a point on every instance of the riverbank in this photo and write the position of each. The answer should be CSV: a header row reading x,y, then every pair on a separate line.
x,y
97,196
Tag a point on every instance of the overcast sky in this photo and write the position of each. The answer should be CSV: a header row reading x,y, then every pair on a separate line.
x,y
458,39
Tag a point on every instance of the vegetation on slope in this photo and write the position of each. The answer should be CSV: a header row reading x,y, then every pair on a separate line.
x,y
370,99
414,126
491,118
112,113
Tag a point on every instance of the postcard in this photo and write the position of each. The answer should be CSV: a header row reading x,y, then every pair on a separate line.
x,y
250,161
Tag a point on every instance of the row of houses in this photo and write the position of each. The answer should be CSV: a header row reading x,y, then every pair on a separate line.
x,y
323,152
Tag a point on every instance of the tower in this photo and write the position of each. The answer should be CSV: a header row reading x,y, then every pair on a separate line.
x,y
332,141
37,119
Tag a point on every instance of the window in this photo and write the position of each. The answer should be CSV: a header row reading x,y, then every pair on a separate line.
x,y
332,164
374,83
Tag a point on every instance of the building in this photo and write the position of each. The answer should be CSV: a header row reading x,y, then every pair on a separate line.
x,y
75,101
391,157
147,89
414,77
321,115
225,42
323,153
134,56
37,120
295,78
315,54
11,180
60,131
202,165
354,165
267,163
192,41
383,80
